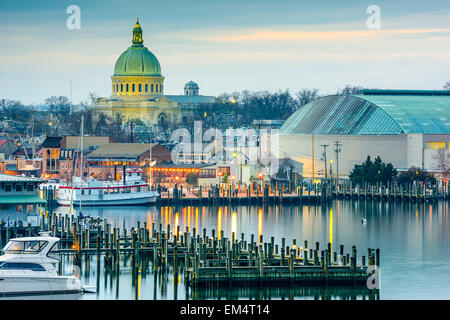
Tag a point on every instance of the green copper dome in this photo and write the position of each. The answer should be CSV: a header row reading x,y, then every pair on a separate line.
x,y
137,60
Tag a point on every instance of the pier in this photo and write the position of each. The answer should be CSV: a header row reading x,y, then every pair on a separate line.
x,y
206,259
302,194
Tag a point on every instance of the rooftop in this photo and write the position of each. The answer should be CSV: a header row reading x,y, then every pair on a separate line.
x,y
52,142
120,150
11,178
374,112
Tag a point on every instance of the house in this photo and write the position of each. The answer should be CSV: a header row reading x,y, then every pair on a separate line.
x,y
7,149
52,164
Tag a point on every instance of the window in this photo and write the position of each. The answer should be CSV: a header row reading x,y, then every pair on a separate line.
x,y
8,188
140,87
152,87
133,88
121,87
30,207
54,252
19,208
20,247
21,266
146,88
126,87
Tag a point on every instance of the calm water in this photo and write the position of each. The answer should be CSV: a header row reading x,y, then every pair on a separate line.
x,y
413,239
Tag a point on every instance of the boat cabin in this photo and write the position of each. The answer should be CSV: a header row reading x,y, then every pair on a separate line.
x,y
19,200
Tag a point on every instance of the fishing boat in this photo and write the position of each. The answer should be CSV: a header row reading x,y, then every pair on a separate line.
x,y
131,190
30,266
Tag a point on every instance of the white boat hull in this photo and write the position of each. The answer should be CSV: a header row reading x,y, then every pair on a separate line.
x,y
109,202
26,285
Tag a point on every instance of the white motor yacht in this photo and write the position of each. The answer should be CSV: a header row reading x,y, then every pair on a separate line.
x,y
30,266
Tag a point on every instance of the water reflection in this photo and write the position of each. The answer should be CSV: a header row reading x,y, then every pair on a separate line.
x,y
413,239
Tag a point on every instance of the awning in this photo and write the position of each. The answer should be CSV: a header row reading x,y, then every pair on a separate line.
x,y
21,199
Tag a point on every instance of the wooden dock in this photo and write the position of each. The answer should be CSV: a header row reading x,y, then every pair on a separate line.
x,y
295,195
206,260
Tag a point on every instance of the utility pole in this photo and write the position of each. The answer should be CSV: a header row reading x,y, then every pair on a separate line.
x,y
312,157
337,144
131,131
325,158
71,105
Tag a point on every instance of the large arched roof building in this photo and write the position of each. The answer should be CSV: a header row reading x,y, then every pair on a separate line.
x,y
405,127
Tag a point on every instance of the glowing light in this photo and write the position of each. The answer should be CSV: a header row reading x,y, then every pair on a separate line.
x,y
219,223
234,223
260,224
176,224
331,229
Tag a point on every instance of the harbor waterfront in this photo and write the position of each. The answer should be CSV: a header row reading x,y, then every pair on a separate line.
x,y
412,237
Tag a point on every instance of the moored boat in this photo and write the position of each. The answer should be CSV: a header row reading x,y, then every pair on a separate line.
x,y
132,190
29,266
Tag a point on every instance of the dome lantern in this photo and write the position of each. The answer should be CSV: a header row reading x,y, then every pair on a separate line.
x,y
137,35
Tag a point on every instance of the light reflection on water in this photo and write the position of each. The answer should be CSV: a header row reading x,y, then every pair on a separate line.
x,y
413,239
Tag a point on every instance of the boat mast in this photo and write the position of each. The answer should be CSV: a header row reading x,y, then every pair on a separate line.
x,y
150,163
81,158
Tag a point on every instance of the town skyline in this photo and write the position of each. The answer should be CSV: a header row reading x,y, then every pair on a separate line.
x,y
225,47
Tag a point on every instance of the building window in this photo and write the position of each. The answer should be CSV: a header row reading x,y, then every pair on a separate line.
x,y
7,188
146,88
126,87
133,88
121,87
152,87
30,208
30,187
19,208
140,87
19,188
435,145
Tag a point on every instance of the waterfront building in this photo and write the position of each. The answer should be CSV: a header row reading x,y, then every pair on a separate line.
x,y
107,161
59,157
138,89
405,127
19,199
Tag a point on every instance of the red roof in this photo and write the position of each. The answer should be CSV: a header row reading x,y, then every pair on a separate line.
x,y
3,141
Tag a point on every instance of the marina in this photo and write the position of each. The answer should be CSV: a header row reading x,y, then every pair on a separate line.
x,y
340,222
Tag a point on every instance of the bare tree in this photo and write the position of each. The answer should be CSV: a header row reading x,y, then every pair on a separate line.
x,y
446,86
443,160
305,96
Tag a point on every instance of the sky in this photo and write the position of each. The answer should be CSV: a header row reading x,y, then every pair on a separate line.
x,y
224,46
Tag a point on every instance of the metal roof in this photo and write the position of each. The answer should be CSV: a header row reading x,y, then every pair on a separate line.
x,y
374,112
120,150
11,178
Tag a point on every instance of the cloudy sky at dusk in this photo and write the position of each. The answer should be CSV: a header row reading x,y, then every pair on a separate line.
x,y
224,46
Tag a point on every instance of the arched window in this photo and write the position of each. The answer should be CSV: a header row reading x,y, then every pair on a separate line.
x,y
152,87
121,87
146,87
140,87
126,87
160,88
157,88
133,88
